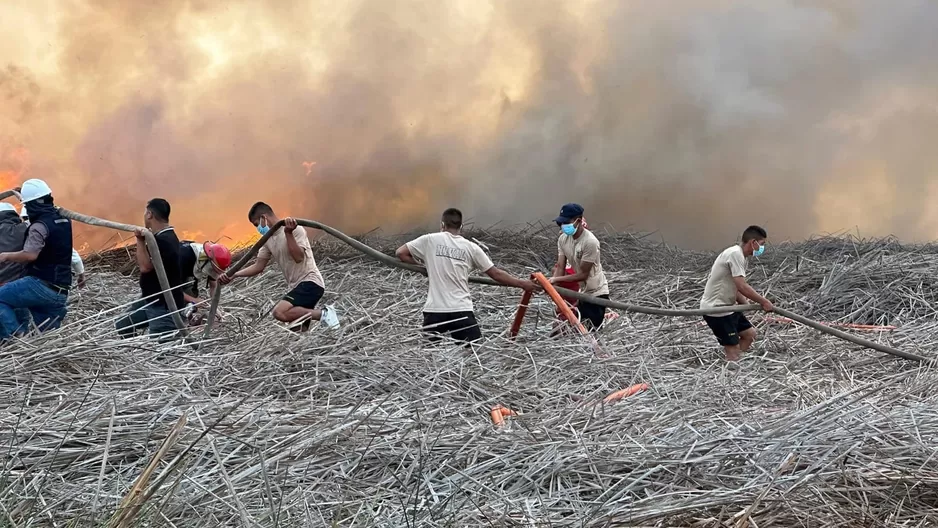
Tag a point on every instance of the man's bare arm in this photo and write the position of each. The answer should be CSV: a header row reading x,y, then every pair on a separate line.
x,y
296,252
742,287
561,265
190,299
254,269
582,275
21,257
403,254
143,255
503,277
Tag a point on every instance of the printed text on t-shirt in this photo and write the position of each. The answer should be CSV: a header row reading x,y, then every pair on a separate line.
x,y
452,253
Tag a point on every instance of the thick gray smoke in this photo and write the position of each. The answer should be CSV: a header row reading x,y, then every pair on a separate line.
x,y
691,118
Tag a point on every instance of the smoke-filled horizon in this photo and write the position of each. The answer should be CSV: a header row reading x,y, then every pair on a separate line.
x,y
693,119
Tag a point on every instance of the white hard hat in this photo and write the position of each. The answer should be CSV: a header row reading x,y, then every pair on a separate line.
x,y
33,189
7,207
23,212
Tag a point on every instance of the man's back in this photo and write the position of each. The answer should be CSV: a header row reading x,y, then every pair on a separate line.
x,y
169,246
449,260
12,237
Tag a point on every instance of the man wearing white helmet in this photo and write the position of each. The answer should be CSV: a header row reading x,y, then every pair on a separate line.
x,y
47,254
78,266
12,237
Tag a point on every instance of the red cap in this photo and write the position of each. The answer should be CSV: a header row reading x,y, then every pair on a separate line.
x,y
218,254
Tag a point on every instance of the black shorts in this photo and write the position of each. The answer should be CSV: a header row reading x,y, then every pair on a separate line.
x,y
728,327
592,315
461,326
305,295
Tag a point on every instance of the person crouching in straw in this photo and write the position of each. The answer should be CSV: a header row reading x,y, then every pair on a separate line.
x,y
289,247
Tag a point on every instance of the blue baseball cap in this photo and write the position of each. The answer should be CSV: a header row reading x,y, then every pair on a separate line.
x,y
568,212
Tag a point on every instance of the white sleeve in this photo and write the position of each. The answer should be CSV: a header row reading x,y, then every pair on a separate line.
x,y
480,260
737,264
78,267
418,247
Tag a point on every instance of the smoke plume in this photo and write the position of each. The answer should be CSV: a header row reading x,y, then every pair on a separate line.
x,y
693,118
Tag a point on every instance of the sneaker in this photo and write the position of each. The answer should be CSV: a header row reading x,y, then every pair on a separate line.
x,y
330,317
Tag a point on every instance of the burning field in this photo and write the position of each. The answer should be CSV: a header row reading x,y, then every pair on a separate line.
x,y
371,426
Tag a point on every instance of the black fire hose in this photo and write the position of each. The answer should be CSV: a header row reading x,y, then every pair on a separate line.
x,y
394,262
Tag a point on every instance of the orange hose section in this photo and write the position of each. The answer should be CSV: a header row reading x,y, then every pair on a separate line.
x,y
558,300
625,393
519,315
498,414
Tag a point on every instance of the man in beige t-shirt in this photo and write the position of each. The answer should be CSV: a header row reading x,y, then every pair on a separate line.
x,y
449,258
727,286
579,247
290,249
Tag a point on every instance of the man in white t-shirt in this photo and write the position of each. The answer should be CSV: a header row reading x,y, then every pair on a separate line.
x,y
289,247
449,258
727,286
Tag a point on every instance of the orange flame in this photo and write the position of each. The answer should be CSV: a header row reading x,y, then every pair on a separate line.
x,y
8,180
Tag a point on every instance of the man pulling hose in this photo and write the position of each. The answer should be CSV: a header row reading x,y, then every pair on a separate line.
x,y
289,247
727,286
47,255
12,237
449,258
78,266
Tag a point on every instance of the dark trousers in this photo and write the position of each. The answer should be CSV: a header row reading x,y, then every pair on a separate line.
x,y
140,317
461,326
592,315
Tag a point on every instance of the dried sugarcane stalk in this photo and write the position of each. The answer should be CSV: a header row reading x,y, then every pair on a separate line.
x,y
131,504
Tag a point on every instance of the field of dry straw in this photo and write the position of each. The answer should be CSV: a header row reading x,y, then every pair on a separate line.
x,y
371,426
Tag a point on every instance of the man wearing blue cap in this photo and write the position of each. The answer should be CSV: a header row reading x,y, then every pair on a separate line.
x,y
580,248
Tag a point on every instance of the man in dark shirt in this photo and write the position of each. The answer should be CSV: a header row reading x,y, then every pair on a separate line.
x,y
42,292
12,238
150,310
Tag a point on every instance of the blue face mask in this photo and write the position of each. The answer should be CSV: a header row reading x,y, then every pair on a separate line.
x,y
759,252
263,229
568,229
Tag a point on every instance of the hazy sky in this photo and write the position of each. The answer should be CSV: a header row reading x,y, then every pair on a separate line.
x,y
694,118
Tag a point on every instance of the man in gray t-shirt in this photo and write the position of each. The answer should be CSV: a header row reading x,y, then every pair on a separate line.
x,y
579,247
727,286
